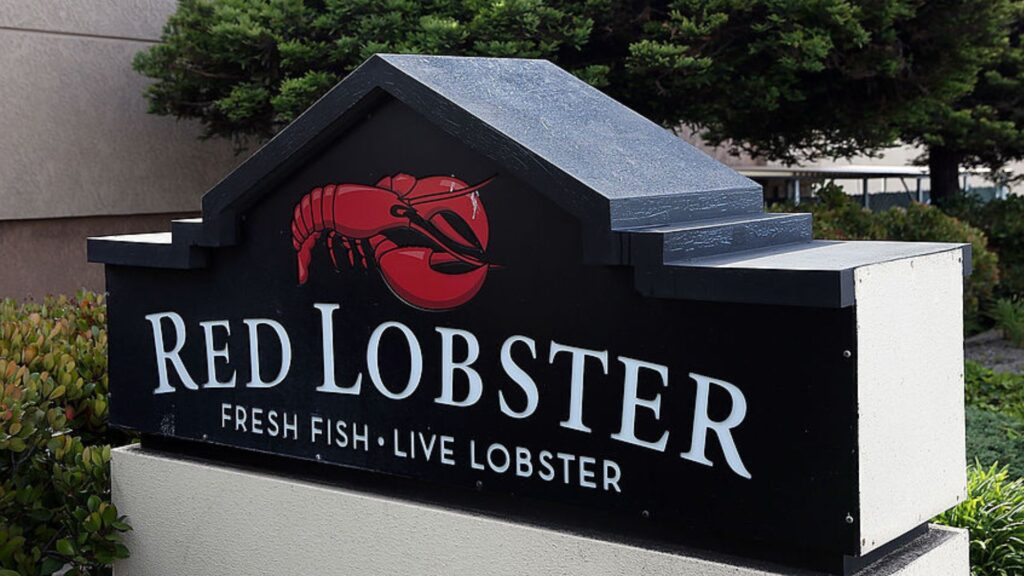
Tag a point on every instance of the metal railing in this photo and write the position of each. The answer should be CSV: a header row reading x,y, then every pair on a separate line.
x,y
794,175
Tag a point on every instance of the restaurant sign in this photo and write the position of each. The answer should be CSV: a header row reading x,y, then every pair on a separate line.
x,y
486,274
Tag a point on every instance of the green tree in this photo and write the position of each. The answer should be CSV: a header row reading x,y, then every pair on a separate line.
x,y
784,79
245,68
985,127
795,80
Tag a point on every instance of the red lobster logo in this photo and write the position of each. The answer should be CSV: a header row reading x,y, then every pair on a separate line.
x,y
427,237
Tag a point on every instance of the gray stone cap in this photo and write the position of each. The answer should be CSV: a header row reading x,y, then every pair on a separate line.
x,y
816,273
608,147
826,255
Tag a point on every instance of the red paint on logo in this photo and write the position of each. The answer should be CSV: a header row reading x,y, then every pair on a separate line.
x,y
426,236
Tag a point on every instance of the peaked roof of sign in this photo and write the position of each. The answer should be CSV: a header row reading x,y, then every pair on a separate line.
x,y
530,110
576,127
645,198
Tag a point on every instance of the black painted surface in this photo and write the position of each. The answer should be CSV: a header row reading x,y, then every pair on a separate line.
x,y
797,440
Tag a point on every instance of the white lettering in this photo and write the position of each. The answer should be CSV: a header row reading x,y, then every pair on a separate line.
x,y
213,353
612,473
256,379
505,457
630,403
449,366
520,377
579,359
702,423
415,360
327,339
163,355
524,466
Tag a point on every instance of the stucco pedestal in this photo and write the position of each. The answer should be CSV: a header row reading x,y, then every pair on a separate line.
x,y
193,517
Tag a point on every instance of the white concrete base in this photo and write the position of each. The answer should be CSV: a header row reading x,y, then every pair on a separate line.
x,y
200,519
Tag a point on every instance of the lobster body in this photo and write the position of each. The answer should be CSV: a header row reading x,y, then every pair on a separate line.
x,y
444,213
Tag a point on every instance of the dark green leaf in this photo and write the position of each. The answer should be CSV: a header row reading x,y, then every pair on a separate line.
x,y
64,547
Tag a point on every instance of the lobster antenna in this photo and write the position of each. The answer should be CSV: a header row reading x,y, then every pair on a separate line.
x,y
439,196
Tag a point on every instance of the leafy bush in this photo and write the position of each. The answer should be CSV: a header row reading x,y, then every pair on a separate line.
x,y
55,508
838,217
994,515
1002,221
1009,317
994,438
994,391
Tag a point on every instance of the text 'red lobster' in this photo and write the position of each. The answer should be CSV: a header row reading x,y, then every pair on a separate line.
x,y
427,236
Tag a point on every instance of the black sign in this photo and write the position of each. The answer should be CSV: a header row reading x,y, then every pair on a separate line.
x,y
441,281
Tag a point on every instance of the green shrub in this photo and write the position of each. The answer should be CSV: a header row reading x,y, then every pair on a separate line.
x,y
838,217
55,508
994,391
1002,221
995,438
994,515
1009,317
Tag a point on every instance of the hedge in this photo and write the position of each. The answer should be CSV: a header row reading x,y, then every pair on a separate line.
x,y
1002,221
55,509
987,389
994,438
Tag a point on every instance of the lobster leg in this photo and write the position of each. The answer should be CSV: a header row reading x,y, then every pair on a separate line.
x,y
330,248
366,248
348,250
362,252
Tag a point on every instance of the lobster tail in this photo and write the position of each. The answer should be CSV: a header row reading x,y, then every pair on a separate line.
x,y
305,232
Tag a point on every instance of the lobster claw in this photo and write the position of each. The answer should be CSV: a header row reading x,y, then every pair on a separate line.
x,y
411,273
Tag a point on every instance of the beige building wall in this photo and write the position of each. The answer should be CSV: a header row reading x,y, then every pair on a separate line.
x,y
904,155
722,153
76,143
47,257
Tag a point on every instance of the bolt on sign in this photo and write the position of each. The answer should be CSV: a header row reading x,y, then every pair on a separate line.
x,y
485,274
